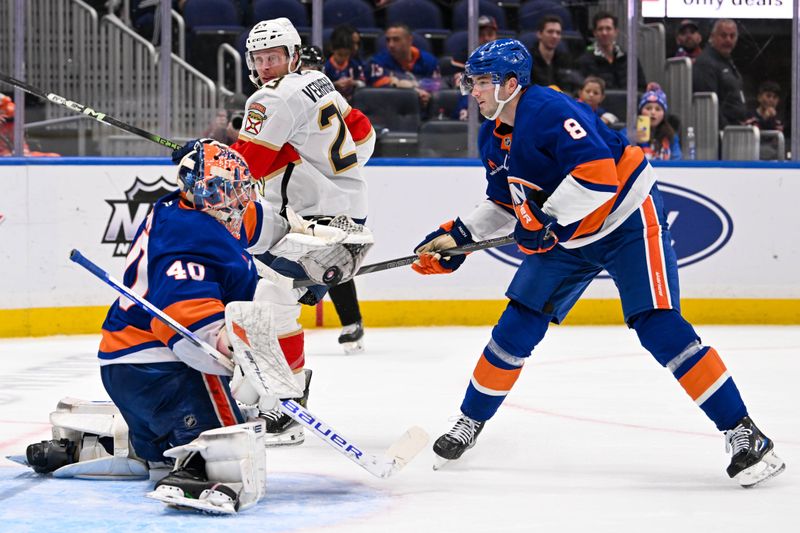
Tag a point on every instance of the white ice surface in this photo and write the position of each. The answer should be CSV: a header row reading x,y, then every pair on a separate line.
x,y
595,437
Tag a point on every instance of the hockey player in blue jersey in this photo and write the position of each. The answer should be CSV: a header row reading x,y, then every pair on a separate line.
x,y
579,199
191,257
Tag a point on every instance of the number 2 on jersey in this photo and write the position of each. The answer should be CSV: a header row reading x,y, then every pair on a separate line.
x,y
340,162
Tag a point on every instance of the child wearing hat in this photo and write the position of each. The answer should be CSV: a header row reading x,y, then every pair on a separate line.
x,y
663,142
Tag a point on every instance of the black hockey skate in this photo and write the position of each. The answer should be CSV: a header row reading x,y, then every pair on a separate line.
x,y
455,442
352,338
188,487
281,429
753,460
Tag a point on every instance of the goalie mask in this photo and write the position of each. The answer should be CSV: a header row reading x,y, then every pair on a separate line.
x,y
273,34
217,181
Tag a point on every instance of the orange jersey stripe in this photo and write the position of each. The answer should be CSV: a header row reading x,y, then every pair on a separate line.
x,y
220,400
658,276
125,338
250,221
599,171
491,377
631,158
186,313
703,374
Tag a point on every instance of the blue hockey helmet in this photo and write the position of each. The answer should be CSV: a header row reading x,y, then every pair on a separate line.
x,y
500,58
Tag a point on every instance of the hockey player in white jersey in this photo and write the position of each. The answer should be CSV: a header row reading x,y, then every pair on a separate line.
x,y
308,146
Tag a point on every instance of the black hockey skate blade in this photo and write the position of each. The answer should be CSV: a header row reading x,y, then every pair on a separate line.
x,y
19,459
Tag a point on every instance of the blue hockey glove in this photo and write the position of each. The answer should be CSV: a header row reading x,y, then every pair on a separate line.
x,y
534,229
449,235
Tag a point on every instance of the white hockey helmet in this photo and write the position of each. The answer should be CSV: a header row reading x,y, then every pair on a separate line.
x,y
270,34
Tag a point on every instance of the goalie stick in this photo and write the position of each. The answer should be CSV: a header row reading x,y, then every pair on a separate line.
x,y
404,261
382,466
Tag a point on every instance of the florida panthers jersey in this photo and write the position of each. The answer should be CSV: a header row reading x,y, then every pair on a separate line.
x,y
563,157
189,265
301,119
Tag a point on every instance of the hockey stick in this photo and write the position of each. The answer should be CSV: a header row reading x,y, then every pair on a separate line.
x,y
89,112
404,261
382,466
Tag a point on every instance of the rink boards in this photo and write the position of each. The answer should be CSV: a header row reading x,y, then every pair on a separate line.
x,y
733,225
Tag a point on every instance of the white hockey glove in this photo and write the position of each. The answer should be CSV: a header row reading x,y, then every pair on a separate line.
x,y
339,263
305,236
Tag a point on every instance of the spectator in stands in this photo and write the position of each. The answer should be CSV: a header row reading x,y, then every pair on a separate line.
x,y
592,93
356,44
605,59
659,140
7,111
228,121
404,65
487,30
715,72
689,40
345,71
766,117
551,66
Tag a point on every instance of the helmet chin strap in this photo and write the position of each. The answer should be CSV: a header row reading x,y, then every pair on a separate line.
x,y
502,103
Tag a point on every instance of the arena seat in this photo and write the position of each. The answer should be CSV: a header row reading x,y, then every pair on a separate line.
x,y
395,115
416,14
270,9
357,13
209,23
444,103
485,7
443,138
533,10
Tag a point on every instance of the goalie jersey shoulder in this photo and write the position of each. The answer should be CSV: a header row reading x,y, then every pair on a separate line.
x,y
186,263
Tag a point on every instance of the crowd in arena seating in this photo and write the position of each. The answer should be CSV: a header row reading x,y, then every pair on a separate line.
x,y
422,45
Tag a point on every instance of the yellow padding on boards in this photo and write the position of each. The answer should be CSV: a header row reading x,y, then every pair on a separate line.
x,y
79,320
593,312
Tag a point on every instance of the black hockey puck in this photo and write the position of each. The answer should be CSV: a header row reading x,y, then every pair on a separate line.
x,y
332,276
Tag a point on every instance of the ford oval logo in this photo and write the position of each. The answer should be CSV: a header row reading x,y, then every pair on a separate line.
x,y
699,226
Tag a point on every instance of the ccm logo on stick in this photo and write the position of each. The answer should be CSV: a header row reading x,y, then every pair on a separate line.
x,y
699,226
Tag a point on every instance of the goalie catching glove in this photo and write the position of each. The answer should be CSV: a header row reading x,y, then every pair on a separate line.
x,y
330,250
451,234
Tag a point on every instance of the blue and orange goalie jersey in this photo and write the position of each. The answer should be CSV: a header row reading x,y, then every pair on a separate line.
x,y
563,157
189,265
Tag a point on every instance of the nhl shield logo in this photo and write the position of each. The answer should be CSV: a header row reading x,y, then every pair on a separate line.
x,y
128,214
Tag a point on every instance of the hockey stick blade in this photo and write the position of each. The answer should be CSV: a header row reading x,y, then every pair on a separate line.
x,y
381,467
393,460
405,261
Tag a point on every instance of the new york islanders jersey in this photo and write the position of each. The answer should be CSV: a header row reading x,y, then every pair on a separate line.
x,y
189,265
300,118
563,157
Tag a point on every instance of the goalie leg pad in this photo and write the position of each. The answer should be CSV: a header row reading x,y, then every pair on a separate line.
x,y
235,468
256,350
90,441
